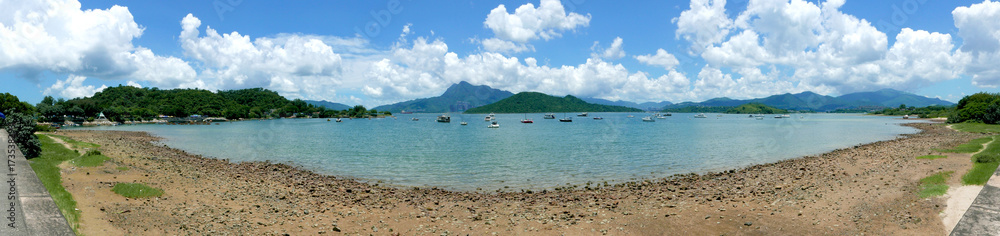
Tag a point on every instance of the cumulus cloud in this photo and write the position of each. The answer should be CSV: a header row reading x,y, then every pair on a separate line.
x,y
72,87
979,27
57,36
513,31
704,24
612,53
662,58
294,65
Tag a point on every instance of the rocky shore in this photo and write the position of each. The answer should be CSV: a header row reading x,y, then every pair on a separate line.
x,y
865,189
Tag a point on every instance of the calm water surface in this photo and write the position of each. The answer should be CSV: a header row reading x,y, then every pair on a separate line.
x,y
545,154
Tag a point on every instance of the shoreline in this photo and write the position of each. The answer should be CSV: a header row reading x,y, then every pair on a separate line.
x,y
790,196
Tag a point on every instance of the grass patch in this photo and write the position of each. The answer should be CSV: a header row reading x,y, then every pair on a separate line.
x,y
990,154
77,144
934,185
122,168
46,166
931,157
972,146
977,128
980,173
136,190
92,158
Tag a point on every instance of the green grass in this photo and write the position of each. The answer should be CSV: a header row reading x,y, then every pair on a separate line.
x,y
46,166
977,128
77,144
934,185
931,157
990,154
136,190
980,173
92,158
972,146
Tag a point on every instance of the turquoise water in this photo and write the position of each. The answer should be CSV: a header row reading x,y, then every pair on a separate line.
x,y
545,154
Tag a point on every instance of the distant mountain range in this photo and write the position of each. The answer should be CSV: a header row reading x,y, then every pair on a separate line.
x,y
648,106
535,102
812,101
328,105
459,97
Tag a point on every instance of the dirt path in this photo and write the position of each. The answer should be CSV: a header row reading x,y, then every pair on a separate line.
x,y
959,196
866,189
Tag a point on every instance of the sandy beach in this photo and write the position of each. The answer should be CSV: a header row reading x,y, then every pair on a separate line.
x,y
865,189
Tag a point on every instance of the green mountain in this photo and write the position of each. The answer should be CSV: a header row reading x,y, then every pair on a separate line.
x,y
812,101
328,105
534,102
649,106
755,108
459,97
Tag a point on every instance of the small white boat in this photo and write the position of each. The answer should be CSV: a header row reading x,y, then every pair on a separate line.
x,y
413,119
444,119
661,117
493,125
582,114
630,116
700,115
786,116
338,120
648,119
465,123
550,116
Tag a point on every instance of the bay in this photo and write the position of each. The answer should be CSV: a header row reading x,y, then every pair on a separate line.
x,y
541,155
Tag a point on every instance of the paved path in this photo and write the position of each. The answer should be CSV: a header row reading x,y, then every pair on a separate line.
x,y
27,207
983,217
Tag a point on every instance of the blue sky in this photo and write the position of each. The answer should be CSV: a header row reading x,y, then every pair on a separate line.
x,y
379,52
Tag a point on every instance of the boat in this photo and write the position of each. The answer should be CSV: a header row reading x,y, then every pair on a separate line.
x,y
658,116
491,117
566,119
444,119
786,116
598,118
493,125
465,123
630,116
338,120
549,116
906,116
488,118
648,119
526,120
700,115
582,114
405,112
777,117
668,114
759,117
415,119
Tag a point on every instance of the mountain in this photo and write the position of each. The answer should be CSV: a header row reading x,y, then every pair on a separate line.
x,y
812,101
755,108
893,98
649,106
459,97
535,102
328,105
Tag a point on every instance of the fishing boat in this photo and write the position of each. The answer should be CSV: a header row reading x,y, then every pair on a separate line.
x,y
493,125
549,116
648,119
582,114
700,115
526,120
444,119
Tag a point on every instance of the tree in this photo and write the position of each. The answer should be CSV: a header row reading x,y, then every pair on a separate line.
x,y
10,102
21,128
902,106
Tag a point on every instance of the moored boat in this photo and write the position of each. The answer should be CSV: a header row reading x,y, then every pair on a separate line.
x,y
526,120
598,118
444,119
549,116
648,119
582,114
566,119
493,125
700,115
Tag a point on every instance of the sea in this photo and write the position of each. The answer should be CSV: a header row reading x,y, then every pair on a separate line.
x,y
414,150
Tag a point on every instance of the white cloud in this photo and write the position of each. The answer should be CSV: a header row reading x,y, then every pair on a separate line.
x,y
612,53
704,24
979,27
548,21
503,46
662,58
133,84
72,87
57,36
295,65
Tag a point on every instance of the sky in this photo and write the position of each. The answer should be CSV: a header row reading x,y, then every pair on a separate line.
x,y
381,52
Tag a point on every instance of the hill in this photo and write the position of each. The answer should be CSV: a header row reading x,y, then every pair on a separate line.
x,y
815,102
459,97
649,106
755,108
328,105
534,102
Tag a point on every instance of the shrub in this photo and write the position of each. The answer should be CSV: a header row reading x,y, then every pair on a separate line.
x,y
21,128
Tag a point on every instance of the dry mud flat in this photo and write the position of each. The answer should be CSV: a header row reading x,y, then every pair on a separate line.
x,y
866,189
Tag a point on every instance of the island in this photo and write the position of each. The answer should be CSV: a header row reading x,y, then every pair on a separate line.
x,y
535,102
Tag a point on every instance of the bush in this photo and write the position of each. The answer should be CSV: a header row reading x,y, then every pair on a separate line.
x,y
22,130
979,107
44,128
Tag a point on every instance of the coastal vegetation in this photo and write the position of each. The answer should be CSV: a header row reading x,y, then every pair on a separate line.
x,y
931,157
972,146
921,112
977,108
46,167
984,164
136,190
934,185
534,102
699,109
90,159
755,108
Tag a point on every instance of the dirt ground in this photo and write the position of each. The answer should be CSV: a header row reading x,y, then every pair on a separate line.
x,y
865,189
